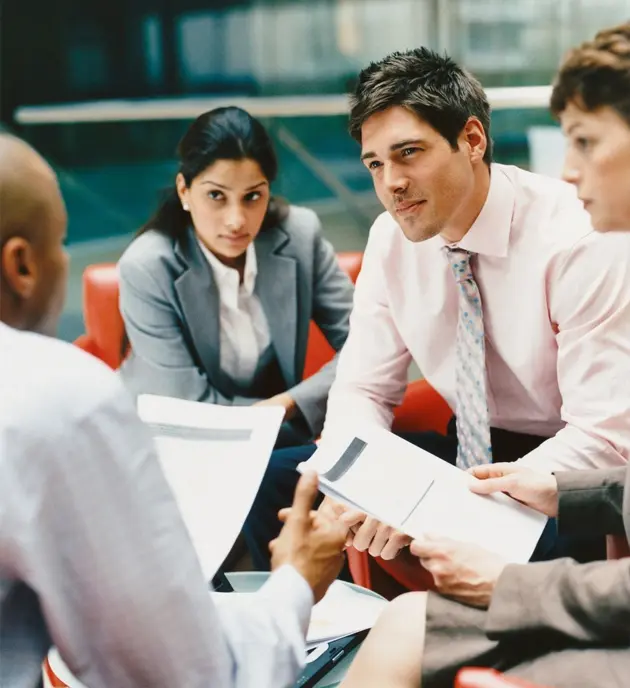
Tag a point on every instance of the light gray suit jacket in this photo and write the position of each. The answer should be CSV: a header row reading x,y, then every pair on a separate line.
x,y
561,604
170,304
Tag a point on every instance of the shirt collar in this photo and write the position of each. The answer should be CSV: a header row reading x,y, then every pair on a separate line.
x,y
225,275
490,232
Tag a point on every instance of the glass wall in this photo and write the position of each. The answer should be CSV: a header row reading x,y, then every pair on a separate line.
x,y
69,50
138,50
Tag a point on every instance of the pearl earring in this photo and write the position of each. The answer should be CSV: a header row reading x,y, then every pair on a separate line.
x,y
185,207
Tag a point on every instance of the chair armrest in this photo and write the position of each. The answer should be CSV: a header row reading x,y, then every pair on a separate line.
x,y
86,343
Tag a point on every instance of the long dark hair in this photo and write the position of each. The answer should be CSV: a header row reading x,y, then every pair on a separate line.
x,y
227,133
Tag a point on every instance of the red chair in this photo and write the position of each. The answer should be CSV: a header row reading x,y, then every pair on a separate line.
x,y
318,351
617,547
104,326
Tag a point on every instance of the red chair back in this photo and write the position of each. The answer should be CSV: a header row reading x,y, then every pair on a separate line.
x,y
103,322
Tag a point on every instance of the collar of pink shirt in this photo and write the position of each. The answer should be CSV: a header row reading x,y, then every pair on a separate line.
x,y
490,233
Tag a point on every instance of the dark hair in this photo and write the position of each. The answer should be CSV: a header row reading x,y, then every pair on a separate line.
x,y
596,74
227,133
432,86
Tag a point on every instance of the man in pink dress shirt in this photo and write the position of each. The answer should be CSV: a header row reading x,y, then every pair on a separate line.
x,y
554,302
553,623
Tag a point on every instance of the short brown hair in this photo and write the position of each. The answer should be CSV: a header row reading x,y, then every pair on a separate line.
x,y
596,74
432,86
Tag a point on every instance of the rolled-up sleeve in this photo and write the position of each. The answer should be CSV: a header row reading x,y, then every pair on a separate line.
x,y
589,303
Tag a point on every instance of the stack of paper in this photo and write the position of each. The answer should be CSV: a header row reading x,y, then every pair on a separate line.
x,y
214,459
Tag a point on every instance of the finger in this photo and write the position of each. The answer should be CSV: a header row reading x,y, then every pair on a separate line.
x,y
363,537
396,542
380,539
284,515
329,504
436,568
272,545
491,485
341,532
494,470
425,548
305,495
353,517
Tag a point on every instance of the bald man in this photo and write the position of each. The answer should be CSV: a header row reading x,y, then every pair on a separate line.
x,y
33,263
94,556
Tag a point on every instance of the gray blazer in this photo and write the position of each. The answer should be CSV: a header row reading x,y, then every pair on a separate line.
x,y
170,304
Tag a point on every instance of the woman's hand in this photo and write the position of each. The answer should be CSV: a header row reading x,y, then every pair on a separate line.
x,y
285,400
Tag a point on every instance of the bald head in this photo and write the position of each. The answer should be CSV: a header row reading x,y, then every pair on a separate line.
x,y
28,191
33,264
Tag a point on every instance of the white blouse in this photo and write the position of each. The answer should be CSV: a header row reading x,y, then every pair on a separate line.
x,y
244,328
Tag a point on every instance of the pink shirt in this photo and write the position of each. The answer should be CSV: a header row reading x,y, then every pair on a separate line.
x,y
556,304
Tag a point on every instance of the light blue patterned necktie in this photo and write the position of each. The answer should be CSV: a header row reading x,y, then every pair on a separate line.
x,y
473,420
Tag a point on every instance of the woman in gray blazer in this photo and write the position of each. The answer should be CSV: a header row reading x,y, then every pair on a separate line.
x,y
219,287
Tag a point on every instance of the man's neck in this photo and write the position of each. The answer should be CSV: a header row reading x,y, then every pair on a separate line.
x,y
464,220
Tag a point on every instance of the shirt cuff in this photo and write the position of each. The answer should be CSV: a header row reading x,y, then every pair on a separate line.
x,y
287,585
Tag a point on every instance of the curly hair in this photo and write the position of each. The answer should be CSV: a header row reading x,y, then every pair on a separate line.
x,y
596,74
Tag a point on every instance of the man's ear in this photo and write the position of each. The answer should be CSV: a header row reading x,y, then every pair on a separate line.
x,y
475,139
19,267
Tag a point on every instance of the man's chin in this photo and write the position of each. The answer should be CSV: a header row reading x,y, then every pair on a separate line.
x,y
417,234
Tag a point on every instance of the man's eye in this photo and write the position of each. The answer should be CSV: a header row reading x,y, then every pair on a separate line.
x,y
374,164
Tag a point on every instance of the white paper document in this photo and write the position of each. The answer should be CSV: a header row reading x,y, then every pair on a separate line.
x,y
214,458
342,611
418,493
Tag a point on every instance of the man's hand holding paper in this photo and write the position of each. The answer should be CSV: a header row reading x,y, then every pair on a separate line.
x,y
379,539
386,504
365,532
468,573
536,490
